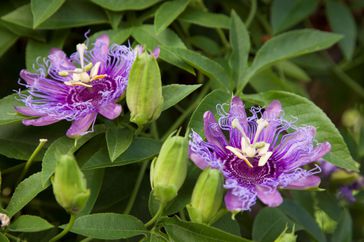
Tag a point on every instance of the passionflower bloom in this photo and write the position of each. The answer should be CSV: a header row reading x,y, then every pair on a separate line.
x,y
77,88
260,156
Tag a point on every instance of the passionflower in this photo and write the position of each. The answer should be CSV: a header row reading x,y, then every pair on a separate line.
x,y
260,156
77,88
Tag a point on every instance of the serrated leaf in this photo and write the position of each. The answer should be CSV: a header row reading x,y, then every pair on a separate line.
x,y
205,19
118,140
181,231
287,13
269,223
209,67
116,5
302,217
342,21
240,44
25,192
69,15
174,93
42,10
35,49
167,13
29,223
63,145
209,103
108,226
280,48
139,150
307,113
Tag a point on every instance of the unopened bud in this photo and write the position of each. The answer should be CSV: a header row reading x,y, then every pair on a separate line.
x,y
144,92
169,170
326,224
69,184
206,197
4,220
341,176
286,237
351,118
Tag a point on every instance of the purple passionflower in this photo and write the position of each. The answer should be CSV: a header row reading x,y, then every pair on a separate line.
x,y
77,88
260,155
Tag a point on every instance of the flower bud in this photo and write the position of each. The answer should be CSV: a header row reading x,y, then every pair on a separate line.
x,y
144,92
286,237
341,176
69,184
326,224
206,197
351,118
169,170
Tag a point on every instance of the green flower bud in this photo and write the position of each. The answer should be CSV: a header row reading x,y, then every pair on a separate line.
x,y
344,177
326,224
169,170
206,197
286,237
144,92
69,184
351,118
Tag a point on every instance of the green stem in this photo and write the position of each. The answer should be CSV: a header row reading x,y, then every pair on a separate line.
x,y
31,158
348,81
12,169
138,182
187,112
154,130
223,39
252,12
65,230
156,216
10,236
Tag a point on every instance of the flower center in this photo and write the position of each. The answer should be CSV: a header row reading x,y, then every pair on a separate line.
x,y
86,74
251,149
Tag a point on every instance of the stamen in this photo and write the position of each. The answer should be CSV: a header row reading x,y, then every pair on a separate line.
x,y
95,69
63,73
236,124
237,153
262,123
264,158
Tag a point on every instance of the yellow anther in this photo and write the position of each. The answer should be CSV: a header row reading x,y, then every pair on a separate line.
x,y
238,154
63,73
88,66
97,77
76,83
264,158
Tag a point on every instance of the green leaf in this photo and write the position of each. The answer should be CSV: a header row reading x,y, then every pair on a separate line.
x,y
25,192
3,238
206,44
117,36
205,19
209,103
117,5
281,47
167,13
307,113
240,44
61,146
118,140
269,223
108,226
7,112
7,40
42,10
35,49
210,68
302,217
342,21
343,232
174,93
29,223
181,231
165,40
139,150
70,15
287,13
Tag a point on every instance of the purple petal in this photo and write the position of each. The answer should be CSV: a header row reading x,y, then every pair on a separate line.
x,y
110,110
81,126
212,130
100,51
156,52
42,121
28,111
232,202
237,111
269,196
271,114
59,61
273,111
199,161
327,168
304,183
29,77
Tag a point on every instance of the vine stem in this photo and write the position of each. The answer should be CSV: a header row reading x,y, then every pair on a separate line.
x,y
252,12
156,216
31,158
138,182
65,230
